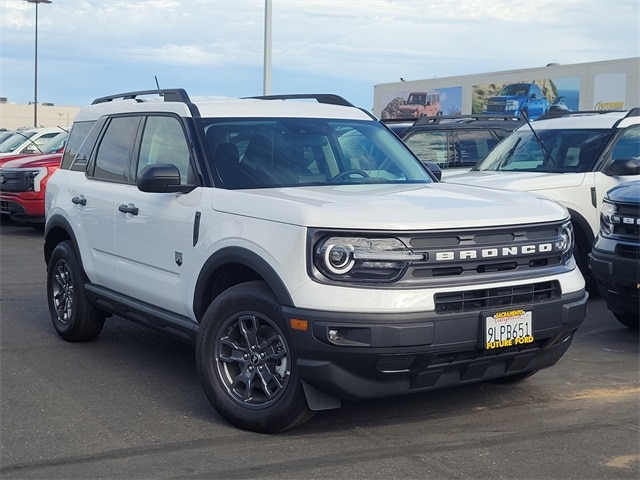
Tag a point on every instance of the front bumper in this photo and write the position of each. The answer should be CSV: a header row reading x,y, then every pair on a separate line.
x,y
382,355
618,277
24,206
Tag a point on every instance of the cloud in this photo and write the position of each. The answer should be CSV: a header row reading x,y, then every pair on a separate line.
x,y
88,49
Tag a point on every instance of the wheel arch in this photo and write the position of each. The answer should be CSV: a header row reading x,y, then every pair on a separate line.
x,y
57,230
584,236
231,266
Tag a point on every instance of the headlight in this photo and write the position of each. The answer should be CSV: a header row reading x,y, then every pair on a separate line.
x,y
33,179
565,244
607,217
362,259
512,105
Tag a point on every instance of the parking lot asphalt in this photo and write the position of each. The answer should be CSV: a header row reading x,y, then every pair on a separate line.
x,y
129,405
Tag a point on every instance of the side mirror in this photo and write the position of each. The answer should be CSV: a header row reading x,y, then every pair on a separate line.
x,y
625,166
434,168
161,178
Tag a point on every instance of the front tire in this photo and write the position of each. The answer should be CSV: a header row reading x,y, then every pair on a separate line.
x,y
72,315
245,362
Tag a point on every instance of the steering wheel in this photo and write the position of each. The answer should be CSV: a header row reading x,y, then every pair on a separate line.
x,y
353,171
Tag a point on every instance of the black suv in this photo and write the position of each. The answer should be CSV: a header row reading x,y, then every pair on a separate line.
x,y
454,141
615,257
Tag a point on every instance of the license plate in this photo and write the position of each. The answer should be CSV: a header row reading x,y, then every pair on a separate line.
x,y
507,329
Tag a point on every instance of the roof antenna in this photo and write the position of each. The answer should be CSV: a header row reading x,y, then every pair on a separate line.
x,y
158,86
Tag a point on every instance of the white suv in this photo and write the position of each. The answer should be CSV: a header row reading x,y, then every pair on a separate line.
x,y
304,250
574,159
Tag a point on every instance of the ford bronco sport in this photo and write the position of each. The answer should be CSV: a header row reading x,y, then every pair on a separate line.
x,y
304,250
574,158
615,257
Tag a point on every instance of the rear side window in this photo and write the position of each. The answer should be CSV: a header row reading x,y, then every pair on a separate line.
x,y
113,158
430,147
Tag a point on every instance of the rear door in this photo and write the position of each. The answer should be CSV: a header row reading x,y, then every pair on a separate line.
x,y
106,175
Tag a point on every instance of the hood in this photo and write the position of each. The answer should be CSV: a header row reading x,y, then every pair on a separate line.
x,y
8,157
389,207
628,192
521,181
506,97
409,106
35,161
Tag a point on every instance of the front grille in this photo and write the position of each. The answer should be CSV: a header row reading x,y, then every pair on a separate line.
x,y
496,107
16,181
459,256
480,299
627,221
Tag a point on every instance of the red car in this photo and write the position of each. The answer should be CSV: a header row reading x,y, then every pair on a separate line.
x,y
22,186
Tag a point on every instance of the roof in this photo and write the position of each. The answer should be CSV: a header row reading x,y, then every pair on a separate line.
x,y
177,101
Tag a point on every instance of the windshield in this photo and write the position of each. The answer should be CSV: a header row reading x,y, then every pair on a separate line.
x,y
54,144
515,89
14,141
565,151
276,152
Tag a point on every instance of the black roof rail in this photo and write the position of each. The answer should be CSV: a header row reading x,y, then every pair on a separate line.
x,y
329,98
169,94
398,120
483,116
634,112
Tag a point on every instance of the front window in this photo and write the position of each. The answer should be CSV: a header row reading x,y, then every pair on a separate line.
x,y
562,151
279,152
515,89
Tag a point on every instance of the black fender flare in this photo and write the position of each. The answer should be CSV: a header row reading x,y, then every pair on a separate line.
x,y
53,236
580,222
236,256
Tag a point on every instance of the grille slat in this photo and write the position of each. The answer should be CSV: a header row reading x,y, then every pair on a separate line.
x,y
452,302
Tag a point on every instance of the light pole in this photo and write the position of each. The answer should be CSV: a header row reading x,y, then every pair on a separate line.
x,y
266,89
35,75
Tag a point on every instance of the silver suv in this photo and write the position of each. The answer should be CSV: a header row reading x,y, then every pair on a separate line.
x,y
304,250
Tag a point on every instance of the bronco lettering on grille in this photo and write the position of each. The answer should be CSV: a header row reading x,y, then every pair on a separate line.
x,y
496,252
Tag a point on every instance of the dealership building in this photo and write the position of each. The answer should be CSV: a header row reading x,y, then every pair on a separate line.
x,y
606,85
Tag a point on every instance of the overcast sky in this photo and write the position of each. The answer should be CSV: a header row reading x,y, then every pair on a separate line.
x,y
88,49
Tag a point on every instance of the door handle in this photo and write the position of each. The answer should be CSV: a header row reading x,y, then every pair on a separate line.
x,y
79,200
132,209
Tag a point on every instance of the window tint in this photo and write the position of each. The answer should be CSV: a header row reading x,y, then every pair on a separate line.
x,y
163,141
115,150
473,146
262,153
628,145
77,136
430,147
564,151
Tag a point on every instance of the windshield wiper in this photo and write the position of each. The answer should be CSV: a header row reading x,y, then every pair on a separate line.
x,y
547,153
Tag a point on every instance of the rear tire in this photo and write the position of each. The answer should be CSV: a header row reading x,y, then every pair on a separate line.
x,y
72,315
246,364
